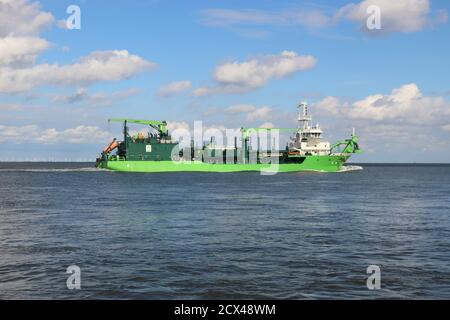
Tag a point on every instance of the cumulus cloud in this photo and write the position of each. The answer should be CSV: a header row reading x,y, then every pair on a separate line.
x,y
20,18
396,16
81,134
97,66
405,104
400,103
20,25
263,113
403,123
330,105
174,88
20,51
254,73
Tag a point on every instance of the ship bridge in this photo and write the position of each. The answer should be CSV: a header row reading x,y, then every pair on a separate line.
x,y
308,139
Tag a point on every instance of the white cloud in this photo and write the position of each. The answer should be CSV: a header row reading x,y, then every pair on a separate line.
x,y
97,66
403,123
81,134
405,104
20,51
267,125
20,25
174,88
263,114
20,18
255,73
174,125
396,16
77,135
329,105
240,108
62,24
18,134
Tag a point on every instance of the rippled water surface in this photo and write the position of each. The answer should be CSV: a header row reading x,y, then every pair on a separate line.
x,y
214,236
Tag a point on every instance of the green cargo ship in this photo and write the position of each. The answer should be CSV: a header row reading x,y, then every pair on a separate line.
x,y
156,151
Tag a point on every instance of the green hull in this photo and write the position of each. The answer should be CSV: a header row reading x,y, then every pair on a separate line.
x,y
311,163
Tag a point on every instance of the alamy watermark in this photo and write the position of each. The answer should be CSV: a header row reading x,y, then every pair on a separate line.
x,y
73,22
74,280
374,280
221,146
373,21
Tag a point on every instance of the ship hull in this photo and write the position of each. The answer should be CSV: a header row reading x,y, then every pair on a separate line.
x,y
331,163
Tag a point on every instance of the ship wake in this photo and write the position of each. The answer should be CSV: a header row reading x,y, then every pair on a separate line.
x,y
350,168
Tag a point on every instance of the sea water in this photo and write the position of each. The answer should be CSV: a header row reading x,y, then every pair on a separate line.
x,y
243,235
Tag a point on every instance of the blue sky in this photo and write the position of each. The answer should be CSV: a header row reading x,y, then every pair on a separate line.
x,y
254,60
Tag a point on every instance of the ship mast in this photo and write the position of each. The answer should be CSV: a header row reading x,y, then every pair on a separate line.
x,y
303,117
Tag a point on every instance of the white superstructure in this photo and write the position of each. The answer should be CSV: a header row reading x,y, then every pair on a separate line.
x,y
308,139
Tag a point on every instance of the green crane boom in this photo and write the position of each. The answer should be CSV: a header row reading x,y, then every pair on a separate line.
x,y
160,126
349,145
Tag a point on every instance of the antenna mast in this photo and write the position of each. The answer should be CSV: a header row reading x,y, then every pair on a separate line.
x,y
303,118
